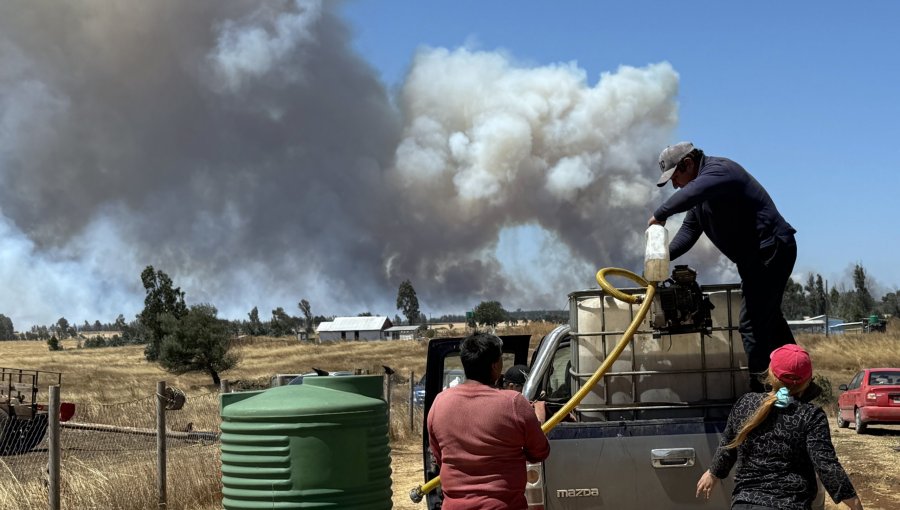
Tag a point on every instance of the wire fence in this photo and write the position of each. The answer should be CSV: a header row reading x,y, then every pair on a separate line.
x,y
108,456
109,453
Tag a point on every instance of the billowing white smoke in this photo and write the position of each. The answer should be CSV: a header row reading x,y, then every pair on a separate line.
x,y
488,145
247,151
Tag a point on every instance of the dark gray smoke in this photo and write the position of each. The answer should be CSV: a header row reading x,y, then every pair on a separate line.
x,y
246,150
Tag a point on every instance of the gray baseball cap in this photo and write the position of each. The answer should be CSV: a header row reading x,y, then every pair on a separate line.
x,y
669,159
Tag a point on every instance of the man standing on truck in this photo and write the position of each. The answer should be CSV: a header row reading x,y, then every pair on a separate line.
x,y
725,202
481,436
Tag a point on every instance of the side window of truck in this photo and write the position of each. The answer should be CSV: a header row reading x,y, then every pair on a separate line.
x,y
558,379
454,373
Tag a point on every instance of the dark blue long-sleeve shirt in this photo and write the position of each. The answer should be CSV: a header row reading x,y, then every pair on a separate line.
x,y
727,204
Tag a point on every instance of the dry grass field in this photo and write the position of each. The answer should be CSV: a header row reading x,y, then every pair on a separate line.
x,y
104,380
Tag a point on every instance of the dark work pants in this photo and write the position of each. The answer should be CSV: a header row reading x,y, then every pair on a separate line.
x,y
763,327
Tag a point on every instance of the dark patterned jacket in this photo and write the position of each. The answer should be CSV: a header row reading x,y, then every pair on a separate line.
x,y
778,462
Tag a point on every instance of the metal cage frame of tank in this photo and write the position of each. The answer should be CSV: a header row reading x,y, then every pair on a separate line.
x,y
706,406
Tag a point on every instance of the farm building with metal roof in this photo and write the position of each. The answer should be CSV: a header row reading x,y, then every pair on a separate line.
x,y
353,328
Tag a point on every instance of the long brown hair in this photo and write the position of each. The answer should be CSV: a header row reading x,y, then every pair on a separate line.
x,y
765,407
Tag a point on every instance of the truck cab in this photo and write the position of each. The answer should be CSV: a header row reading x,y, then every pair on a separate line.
x,y
645,433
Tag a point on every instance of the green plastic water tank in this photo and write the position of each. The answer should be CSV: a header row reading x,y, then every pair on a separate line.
x,y
322,444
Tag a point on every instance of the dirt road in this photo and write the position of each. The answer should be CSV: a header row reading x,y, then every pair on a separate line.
x,y
873,462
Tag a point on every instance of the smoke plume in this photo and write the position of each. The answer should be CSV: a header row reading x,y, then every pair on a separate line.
x,y
245,149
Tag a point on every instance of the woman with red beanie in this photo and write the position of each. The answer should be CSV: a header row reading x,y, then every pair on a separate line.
x,y
781,443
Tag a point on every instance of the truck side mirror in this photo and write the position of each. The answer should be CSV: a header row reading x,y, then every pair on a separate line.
x,y
842,387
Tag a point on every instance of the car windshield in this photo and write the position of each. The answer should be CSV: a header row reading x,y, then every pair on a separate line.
x,y
883,378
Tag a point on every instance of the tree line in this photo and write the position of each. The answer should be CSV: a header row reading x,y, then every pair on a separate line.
x,y
850,304
184,338
808,299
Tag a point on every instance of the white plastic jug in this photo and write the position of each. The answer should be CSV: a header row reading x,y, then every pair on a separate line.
x,y
656,254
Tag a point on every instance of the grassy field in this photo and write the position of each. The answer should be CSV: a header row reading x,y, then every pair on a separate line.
x,y
103,380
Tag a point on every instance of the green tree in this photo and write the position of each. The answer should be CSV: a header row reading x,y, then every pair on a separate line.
x,y
198,342
306,309
255,326
890,304
793,304
7,332
407,302
162,299
53,344
364,314
62,328
865,302
835,306
282,323
815,295
489,313
821,298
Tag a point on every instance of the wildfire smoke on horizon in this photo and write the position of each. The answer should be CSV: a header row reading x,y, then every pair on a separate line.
x,y
245,149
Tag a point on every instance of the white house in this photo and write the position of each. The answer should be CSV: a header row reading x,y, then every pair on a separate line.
x,y
354,328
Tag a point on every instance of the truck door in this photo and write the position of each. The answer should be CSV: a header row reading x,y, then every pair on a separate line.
x,y
444,369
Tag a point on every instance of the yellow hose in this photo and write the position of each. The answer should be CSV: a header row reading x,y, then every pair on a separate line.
x,y
420,491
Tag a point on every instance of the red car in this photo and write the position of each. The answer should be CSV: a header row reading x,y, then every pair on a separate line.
x,y
873,396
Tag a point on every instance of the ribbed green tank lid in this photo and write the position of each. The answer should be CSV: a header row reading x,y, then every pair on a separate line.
x,y
368,385
301,399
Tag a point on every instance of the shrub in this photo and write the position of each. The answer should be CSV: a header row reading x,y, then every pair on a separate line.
x,y
826,398
53,344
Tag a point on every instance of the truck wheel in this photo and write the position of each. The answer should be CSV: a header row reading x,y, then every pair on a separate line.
x,y
841,423
860,426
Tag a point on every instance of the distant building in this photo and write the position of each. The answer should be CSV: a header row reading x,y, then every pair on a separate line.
x,y
816,325
401,332
353,328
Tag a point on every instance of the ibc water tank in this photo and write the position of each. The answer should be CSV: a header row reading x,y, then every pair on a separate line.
x,y
322,444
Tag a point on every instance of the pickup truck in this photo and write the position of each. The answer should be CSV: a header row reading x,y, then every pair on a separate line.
x,y
647,431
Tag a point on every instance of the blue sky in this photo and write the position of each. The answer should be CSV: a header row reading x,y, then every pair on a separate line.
x,y
802,94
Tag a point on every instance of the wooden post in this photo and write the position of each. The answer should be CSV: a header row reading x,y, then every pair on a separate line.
x,y
53,447
224,386
161,442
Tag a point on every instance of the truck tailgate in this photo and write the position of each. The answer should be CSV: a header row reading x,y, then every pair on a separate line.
x,y
643,465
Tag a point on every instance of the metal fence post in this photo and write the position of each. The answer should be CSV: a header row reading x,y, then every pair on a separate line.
x,y
53,447
387,399
412,385
161,442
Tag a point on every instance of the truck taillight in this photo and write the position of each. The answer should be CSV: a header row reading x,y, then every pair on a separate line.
x,y
534,486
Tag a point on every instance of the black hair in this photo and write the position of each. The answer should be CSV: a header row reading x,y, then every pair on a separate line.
x,y
696,155
478,353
